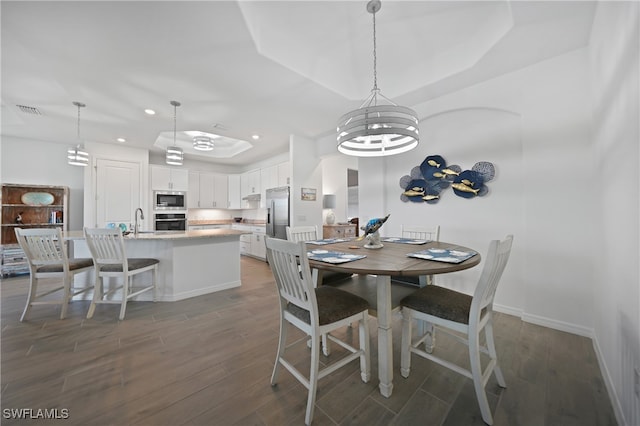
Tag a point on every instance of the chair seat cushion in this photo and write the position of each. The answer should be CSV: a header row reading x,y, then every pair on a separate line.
x,y
73,265
134,263
333,305
440,302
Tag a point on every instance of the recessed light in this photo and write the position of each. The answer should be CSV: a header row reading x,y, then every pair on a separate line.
x,y
121,140
150,111
255,137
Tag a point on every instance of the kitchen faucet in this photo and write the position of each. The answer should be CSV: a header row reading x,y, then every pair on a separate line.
x,y
135,227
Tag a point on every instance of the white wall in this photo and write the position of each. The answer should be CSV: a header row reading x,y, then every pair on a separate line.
x,y
306,172
44,163
533,125
334,181
614,57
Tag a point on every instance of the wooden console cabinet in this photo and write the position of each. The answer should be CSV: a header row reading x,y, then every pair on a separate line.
x,y
16,213
339,231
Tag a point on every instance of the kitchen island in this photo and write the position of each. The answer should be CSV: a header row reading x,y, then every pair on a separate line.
x,y
192,263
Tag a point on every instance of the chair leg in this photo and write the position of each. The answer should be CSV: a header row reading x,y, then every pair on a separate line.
x,y
125,294
66,295
33,288
405,354
365,358
326,349
430,342
313,380
282,341
97,294
476,373
488,332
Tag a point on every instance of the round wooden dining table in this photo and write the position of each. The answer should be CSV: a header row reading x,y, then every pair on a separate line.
x,y
390,260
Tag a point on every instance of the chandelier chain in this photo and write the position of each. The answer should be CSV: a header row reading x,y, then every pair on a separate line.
x,y
375,58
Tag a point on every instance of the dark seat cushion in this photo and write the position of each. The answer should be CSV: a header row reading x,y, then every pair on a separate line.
x,y
440,302
333,305
134,263
73,265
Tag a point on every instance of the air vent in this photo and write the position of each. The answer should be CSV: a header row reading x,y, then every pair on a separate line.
x,y
29,110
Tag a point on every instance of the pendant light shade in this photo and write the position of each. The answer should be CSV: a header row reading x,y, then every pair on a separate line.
x,y
174,154
78,156
379,127
203,143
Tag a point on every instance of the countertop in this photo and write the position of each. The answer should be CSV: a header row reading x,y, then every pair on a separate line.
x,y
167,235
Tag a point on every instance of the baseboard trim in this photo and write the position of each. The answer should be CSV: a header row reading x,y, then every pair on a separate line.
x,y
608,381
199,292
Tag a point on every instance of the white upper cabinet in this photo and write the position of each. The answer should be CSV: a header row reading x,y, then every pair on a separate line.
x,y
169,179
220,191
235,200
193,194
207,191
268,179
284,174
250,183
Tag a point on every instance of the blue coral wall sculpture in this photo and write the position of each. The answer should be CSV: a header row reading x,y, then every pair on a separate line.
x,y
426,182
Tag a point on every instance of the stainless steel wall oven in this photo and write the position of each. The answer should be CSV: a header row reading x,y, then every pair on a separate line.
x,y
170,222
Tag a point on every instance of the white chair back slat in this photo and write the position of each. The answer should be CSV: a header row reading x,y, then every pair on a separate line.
x,y
291,272
42,246
106,245
420,232
302,233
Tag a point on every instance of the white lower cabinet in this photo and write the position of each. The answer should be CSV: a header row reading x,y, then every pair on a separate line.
x,y
252,244
258,249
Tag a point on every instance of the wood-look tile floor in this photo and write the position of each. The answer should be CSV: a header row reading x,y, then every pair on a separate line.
x,y
208,361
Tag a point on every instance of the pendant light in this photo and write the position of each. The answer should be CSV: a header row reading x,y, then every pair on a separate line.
x,y
202,143
379,127
175,156
78,156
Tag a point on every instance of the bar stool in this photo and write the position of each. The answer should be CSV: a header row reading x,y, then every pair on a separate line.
x,y
47,257
110,259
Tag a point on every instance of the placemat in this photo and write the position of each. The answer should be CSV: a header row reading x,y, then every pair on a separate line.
x,y
404,240
333,256
443,255
328,241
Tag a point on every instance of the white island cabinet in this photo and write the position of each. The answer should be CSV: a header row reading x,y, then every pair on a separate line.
x,y
192,263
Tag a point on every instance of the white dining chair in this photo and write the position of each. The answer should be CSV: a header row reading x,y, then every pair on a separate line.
x,y
458,313
316,311
302,233
310,233
47,257
431,233
110,259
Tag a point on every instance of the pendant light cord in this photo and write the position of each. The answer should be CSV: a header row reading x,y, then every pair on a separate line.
x,y
78,122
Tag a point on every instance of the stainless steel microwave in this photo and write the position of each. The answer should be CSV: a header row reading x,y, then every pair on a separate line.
x,y
169,200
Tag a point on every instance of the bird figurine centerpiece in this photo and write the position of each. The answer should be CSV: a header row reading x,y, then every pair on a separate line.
x,y
371,232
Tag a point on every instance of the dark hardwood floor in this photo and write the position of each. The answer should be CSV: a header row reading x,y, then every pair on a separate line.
x,y
208,361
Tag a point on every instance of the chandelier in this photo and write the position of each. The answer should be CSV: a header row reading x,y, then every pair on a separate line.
x,y
379,127
202,143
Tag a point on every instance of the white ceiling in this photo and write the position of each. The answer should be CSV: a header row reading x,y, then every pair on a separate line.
x,y
239,68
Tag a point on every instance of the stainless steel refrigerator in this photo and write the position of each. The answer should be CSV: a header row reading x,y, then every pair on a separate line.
x,y
277,204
